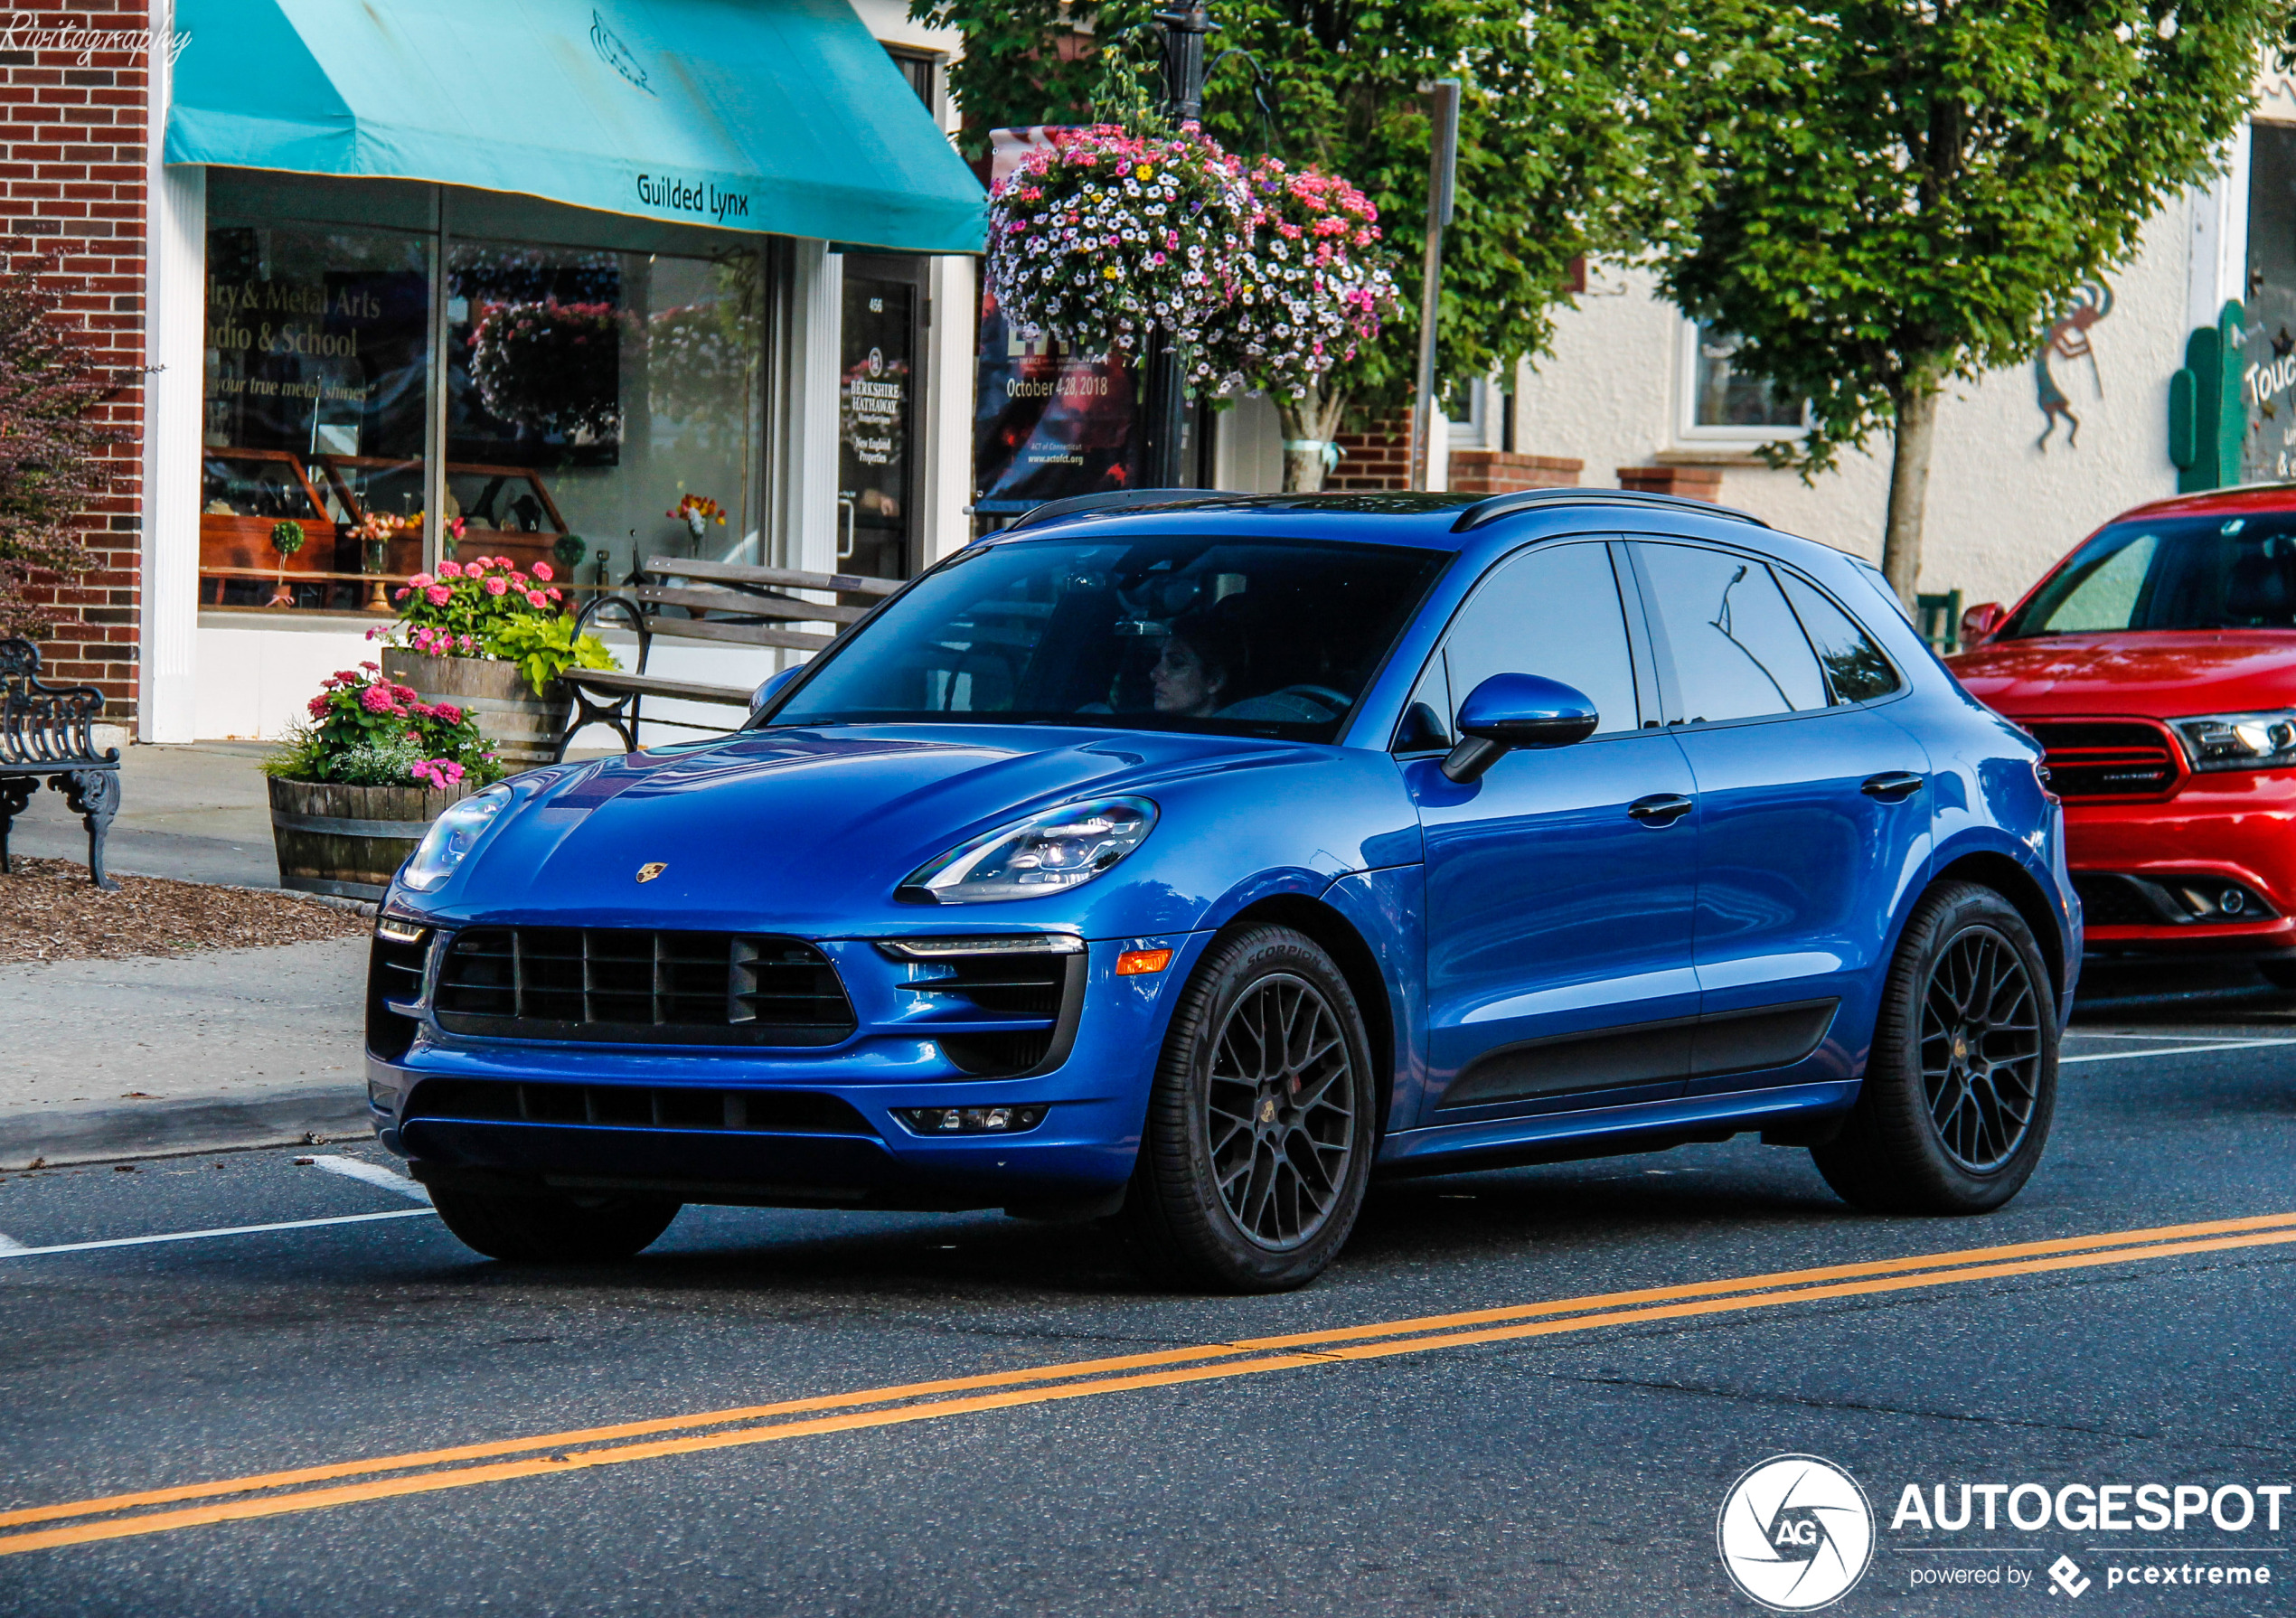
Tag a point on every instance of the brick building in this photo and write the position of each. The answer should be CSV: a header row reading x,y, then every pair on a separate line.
x,y
75,138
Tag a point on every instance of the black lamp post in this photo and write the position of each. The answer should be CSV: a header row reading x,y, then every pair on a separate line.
x,y
1163,409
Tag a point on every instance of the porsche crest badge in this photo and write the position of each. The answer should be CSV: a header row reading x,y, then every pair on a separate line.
x,y
651,870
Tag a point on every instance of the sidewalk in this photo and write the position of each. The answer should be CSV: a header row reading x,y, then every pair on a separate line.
x,y
199,813
214,1049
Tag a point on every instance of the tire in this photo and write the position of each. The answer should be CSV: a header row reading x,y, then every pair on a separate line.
x,y
2279,971
1962,1084
549,1227
1253,1161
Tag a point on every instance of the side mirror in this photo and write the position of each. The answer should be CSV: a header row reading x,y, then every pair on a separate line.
x,y
1517,711
772,687
1979,621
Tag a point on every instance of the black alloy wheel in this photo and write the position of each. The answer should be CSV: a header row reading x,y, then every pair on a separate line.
x,y
1961,1086
1981,1050
1258,1141
1281,1111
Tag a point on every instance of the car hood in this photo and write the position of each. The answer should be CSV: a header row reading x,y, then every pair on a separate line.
x,y
810,830
2163,673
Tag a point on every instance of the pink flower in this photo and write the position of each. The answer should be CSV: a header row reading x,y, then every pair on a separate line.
x,y
554,595
518,582
449,713
448,569
399,594
468,645
318,706
440,595
421,580
542,571
376,699
536,598
498,585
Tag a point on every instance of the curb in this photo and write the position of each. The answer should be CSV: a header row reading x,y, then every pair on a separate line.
x,y
171,1128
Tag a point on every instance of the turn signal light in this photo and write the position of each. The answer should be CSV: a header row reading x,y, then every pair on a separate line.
x,y
970,1120
1139,963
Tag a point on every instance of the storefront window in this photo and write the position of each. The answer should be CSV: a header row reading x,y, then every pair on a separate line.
x,y
317,406
2268,371
600,402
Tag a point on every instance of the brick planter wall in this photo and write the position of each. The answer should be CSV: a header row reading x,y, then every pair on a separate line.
x,y
72,152
1693,483
1502,472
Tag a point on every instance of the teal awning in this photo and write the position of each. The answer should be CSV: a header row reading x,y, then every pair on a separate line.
x,y
779,116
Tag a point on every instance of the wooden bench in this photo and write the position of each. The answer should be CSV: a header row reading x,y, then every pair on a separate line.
x,y
721,602
45,731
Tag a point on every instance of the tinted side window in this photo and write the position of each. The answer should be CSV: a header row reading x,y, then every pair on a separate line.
x,y
1854,665
1738,653
1555,612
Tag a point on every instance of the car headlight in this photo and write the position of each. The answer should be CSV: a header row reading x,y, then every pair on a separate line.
x,y
451,838
1050,852
2239,740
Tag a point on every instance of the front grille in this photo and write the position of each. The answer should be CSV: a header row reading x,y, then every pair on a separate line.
x,y
634,1106
633,985
2108,758
394,972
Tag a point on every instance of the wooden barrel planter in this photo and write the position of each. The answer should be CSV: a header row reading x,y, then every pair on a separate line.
x,y
524,728
348,840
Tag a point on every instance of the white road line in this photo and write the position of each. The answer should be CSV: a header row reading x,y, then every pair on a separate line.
x,y
9,1244
2096,1033
2133,1056
193,1236
373,1174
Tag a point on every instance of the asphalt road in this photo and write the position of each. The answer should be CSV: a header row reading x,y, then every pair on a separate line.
x,y
1571,1460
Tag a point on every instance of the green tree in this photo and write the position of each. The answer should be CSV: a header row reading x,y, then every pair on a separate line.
x,y
1903,192
1561,153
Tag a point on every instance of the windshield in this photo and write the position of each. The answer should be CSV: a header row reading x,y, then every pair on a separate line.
x,y
2176,573
1257,638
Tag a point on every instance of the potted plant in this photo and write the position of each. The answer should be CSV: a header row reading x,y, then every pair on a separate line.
x,y
352,788
286,539
486,635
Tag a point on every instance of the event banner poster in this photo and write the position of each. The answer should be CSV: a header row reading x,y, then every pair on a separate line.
x,y
1048,422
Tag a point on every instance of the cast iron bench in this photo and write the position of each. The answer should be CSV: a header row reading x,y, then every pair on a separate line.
x,y
685,599
44,730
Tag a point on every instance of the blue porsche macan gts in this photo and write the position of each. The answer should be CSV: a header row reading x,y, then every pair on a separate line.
x,y
1189,860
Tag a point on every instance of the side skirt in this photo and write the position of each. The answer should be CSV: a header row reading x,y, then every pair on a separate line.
x,y
1793,1111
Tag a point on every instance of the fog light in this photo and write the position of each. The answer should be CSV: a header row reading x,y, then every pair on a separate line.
x,y
970,1120
2232,902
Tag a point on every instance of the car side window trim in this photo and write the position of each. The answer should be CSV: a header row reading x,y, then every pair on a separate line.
x,y
1823,593
1639,653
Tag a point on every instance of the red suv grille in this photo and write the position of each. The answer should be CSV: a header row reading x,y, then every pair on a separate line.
x,y
2108,758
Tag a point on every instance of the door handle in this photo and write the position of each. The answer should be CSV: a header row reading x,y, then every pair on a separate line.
x,y
1660,809
1893,786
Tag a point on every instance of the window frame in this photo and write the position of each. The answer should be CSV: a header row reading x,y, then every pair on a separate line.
x,y
1641,652
1671,698
1688,428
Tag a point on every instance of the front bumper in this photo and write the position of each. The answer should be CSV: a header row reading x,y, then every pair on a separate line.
x,y
2219,831
819,1126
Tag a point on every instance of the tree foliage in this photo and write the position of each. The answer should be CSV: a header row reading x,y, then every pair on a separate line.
x,y
1559,155
51,448
1901,193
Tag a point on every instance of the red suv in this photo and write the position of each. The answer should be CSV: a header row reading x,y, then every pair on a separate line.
x,y
2156,664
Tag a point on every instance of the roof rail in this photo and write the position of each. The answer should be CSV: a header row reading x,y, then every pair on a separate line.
x,y
1076,505
1525,500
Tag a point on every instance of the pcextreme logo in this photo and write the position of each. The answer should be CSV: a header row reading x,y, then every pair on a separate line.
x,y
1795,1533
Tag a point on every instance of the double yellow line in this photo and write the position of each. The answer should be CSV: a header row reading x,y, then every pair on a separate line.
x,y
314,1488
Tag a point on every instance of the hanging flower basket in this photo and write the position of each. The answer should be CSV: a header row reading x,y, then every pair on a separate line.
x,y
1111,237
1312,286
555,367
